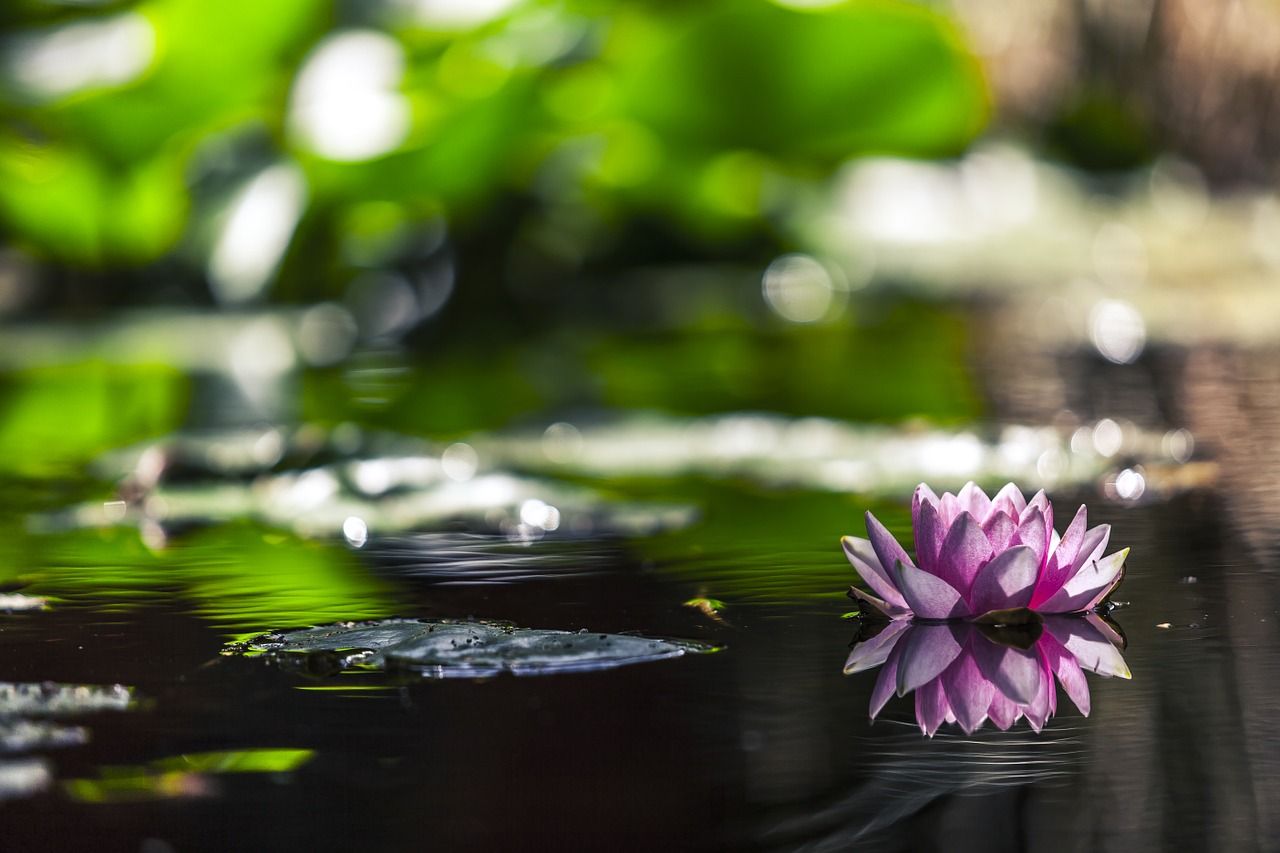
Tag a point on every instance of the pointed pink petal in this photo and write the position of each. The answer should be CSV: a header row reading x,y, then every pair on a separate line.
x,y
974,501
999,529
964,551
929,596
885,545
927,651
863,557
922,495
949,509
1088,586
887,683
929,532
1010,501
1089,645
1017,673
1069,546
1095,542
1032,532
1005,582
968,692
931,707
1040,502
875,651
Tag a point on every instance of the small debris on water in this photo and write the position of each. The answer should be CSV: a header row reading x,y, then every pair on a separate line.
x,y
1165,625
1189,579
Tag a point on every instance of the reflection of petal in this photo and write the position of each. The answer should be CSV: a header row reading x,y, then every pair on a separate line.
x,y
1017,673
1003,712
931,707
887,683
1064,665
1006,582
1090,585
926,652
968,692
1088,644
863,557
873,652
928,595
963,552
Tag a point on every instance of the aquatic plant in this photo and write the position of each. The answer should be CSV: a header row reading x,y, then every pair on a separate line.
x,y
968,673
992,559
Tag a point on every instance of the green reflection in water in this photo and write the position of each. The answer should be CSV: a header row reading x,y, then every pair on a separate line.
x,y
744,549
180,776
242,578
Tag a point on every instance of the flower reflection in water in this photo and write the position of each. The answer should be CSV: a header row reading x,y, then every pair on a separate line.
x,y
968,674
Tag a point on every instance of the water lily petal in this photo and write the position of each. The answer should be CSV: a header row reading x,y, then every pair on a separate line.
x,y
949,509
1088,586
1095,542
1032,532
1040,502
1017,673
1010,501
931,707
890,610
875,651
1088,644
927,651
974,501
968,692
884,543
999,529
1006,582
963,552
1072,538
929,596
922,495
1062,556
929,532
862,556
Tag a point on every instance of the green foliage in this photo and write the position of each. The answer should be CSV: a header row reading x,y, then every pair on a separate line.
x,y
707,114
57,418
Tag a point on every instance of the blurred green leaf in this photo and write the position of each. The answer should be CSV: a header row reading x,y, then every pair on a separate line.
x,y
56,418
821,85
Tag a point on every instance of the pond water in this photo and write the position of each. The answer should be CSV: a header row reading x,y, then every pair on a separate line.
x,y
763,743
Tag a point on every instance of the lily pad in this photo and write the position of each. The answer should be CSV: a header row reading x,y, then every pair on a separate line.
x,y
447,649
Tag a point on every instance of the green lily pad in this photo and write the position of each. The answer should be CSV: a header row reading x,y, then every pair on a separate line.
x,y
446,649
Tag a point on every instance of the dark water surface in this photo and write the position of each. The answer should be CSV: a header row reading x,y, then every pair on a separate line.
x,y
765,744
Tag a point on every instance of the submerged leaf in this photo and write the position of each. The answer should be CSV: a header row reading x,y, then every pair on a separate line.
x,y
446,649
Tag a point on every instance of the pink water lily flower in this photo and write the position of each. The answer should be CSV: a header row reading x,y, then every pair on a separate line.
x,y
969,674
977,556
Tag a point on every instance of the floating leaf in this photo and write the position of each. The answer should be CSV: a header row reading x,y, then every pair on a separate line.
x,y
445,649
